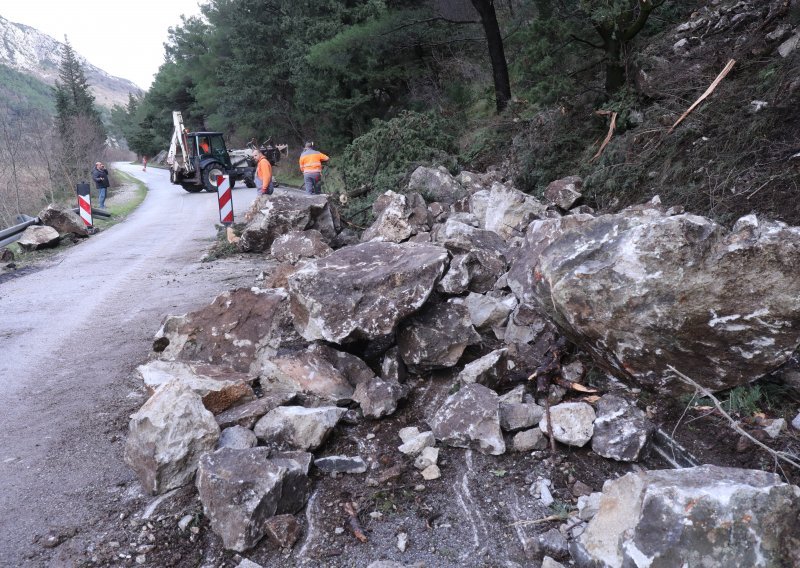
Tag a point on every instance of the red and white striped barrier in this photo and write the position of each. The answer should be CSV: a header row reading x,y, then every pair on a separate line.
x,y
85,203
225,198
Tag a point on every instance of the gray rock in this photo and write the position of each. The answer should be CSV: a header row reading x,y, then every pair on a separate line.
x,y
573,423
63,220
645,317
478,203
787,47
414,441
308,372
474,182
271,216
796,422
773,427
548,562
509,211
245,563
167,436
525,325
436,184
387,564
392,366
379,397
704,516
436,337
431,472
476,271
298,427
621,430
489,370
515,395
237,438
297,245
588,506
554,543
470,418
564,192
399,217
302,459
241,489
488,312
515,417
385,283
460,238
246,415
38,237
529,440
428,457
341,464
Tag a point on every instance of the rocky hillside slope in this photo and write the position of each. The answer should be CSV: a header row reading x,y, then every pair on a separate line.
x,y
34,53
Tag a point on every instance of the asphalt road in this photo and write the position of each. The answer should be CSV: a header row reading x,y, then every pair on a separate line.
x,y
70,335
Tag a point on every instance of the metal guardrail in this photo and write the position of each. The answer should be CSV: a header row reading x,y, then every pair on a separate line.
x,y
13,233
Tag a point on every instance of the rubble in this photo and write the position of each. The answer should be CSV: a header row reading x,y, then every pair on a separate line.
x,y
436,337
63,220
298,427
573,423
470,418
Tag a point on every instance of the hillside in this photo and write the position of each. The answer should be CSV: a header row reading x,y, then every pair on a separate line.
x,y
37,55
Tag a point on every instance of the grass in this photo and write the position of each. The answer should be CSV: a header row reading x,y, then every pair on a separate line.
x,y
747,400
121,210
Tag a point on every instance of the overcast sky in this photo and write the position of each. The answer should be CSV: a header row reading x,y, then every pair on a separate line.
x,y
122,38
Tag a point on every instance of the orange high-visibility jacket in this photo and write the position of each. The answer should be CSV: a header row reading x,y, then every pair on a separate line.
x,y
311,161
264,172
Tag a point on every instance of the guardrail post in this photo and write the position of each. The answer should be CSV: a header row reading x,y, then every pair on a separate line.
x,y
85,203
225,199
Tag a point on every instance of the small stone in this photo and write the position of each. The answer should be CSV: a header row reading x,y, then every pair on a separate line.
x,y
588,505
141,559
402,541
341,464
338,530
427,458
554,543
376,515
408,433
370,436
529,440
579,489
774,427
419,487
796,422
431,472
548,562
417,443
283,531
245,563
185,521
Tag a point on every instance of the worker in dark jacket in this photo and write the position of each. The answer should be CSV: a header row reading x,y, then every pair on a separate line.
x,y
100,177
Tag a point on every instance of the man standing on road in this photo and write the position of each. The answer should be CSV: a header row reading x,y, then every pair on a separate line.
x,y
100,177
311,165
264,182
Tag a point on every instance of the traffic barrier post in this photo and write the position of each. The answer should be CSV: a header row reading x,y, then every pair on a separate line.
x,y
85,203
225,199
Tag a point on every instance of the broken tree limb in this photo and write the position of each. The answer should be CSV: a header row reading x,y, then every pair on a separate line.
x,y
611,128
782,456
355,525
705,95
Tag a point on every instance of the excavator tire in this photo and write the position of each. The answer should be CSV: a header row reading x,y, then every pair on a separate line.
x,y
191,188
209,176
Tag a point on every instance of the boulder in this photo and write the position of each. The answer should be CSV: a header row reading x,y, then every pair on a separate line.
x,y
385,282
529,440
573,423
238,329
298,427
306,372
38,237
476,271
478,203
526,324
509,211
167,436
460,238
436,184
297,245
564,192
489,312
519,416
237,438
247,414
241,489
470,418
474,182
63,220
436,337
392,366
635,290
271,216
352,368
379,397
220,387
489,370
706,516
399,217
621,431
341,464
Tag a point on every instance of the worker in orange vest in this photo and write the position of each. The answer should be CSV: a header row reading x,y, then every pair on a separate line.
x,y
204,147
264,182
311,165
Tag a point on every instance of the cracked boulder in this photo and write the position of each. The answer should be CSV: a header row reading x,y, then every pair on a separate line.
x,y
621,430
298,427
399,217
38,237
573,423
242,489
63,220
509,211
436,337
239,328
363,291
167,436
297,245
707,516
470,418
644,290
271,216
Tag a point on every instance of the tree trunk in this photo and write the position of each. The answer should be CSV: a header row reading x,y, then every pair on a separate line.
x,y
615,67
494,41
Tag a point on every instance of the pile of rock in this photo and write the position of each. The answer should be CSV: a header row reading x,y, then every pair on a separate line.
x,y
57,223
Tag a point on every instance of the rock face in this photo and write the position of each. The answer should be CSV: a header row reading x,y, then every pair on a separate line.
x,y
642,290
400,217
436,184
705,516
241,489
621,431
297,245
436,337
167,436
63,220
470,418
298,427
509,211
572,423
564,192
271,216
38,237
237,329
384,283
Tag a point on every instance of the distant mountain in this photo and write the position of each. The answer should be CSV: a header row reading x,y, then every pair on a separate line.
x,y
31,52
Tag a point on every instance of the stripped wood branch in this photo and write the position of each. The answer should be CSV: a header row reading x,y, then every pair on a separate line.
x,y
611,128
705,95
355,525
782,456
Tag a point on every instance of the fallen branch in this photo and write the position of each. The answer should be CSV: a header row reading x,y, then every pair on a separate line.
x,y
782,456
705,95
610,134
550,519
355,525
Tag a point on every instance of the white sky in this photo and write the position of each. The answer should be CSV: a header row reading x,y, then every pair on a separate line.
x,y
123,38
